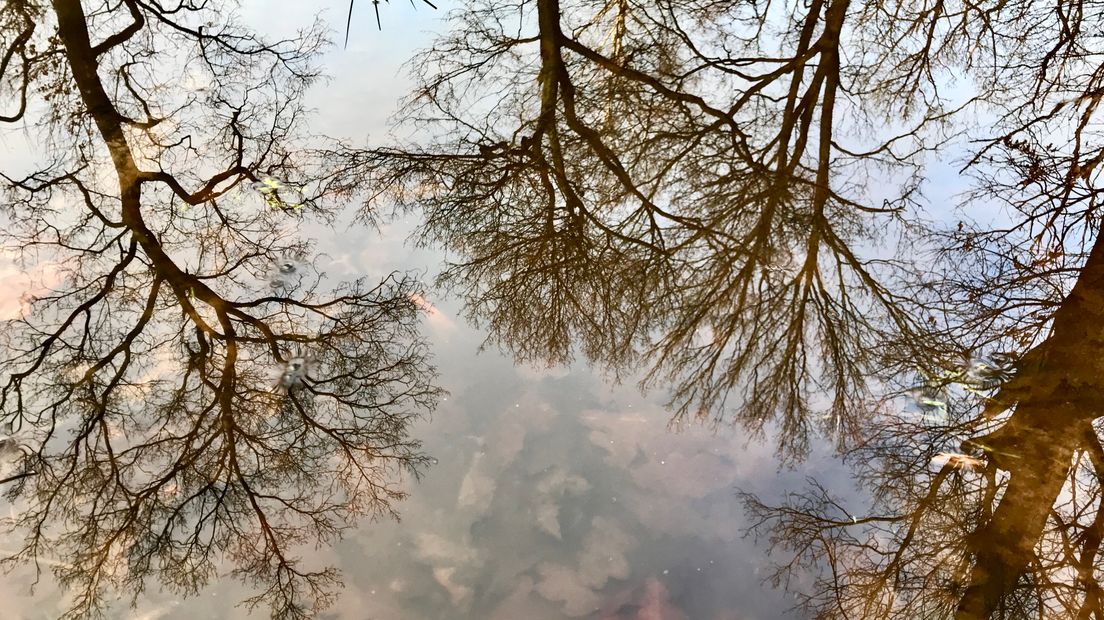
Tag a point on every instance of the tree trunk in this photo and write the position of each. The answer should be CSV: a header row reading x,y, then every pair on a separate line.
x,y
1056,394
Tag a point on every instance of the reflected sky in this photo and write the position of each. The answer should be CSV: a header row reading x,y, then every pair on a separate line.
x,y
923,442
556,496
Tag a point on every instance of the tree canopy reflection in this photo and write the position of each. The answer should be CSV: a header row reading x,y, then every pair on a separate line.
x,y
184,391
728,195
725,194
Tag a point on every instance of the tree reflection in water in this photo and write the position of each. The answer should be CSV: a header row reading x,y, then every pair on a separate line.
x,y
166,422
1012,528
700,188
693,186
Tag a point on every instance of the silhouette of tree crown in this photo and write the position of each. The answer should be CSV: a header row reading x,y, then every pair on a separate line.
x,y
677,184
188,392
728,195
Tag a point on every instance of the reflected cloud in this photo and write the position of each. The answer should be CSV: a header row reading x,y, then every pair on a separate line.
x,y
437,320
21,286
531,514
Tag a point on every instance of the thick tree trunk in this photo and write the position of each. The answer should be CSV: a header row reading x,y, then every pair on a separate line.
x,y
1058,391
1005,545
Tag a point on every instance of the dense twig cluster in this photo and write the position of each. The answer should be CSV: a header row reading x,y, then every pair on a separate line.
x,y
726,192
149,375
674,182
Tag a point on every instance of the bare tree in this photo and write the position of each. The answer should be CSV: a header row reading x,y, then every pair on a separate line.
x,y
1011,526
670,183
939,537
187,393
702,188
